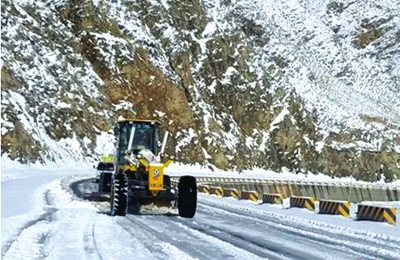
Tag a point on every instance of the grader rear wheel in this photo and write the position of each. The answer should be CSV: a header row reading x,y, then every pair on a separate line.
x,y
119,195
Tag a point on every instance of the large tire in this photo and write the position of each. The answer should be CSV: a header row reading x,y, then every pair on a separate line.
x,y
119,195
105,182
187,200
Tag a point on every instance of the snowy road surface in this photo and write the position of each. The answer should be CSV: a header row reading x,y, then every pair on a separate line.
x,y
43,219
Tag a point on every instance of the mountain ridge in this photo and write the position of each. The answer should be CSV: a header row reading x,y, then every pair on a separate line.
x,y
312,86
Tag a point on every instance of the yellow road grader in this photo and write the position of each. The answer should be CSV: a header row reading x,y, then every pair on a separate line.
x,y
138,178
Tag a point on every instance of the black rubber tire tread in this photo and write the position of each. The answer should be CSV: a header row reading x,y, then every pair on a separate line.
x,y
187,200
119,195
167,181
105,181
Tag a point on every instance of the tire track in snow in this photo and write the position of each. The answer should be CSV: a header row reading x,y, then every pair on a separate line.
x,y
203,241
151,240
300,249
44,219
263,251
90,245
338,242
178,239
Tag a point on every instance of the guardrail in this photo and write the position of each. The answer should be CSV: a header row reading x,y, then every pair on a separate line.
x,y
352,192
300,182
365,212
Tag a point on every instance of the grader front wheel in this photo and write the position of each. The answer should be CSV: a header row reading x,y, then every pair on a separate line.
x,y
187,200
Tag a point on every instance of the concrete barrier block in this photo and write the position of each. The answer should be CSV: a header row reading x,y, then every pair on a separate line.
x,y
231,192
334,207
249,195
302,202
216,190
377,213
272,198
205,188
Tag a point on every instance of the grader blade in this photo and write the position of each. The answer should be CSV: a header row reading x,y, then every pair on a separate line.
x,y
157,206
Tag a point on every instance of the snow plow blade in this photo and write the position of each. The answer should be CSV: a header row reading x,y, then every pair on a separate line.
x,y
158,207
158,202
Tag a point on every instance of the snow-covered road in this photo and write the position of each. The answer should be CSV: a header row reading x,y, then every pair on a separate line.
x,y
42,218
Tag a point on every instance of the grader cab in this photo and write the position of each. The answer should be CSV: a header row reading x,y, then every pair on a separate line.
x,y
139,178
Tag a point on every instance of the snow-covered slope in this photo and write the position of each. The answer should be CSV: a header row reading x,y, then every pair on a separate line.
x,y
325,64
306,85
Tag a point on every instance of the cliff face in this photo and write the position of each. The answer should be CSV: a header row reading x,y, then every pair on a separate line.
x,y
312,86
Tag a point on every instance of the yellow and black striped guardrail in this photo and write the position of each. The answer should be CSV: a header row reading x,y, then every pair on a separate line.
x,y
338,207
203,188
231,192
216,190
249,195
334,207
272,198
296,182
317,189
377,213
302,202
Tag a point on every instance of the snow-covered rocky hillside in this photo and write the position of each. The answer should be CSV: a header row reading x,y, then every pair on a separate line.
x,y
313,86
